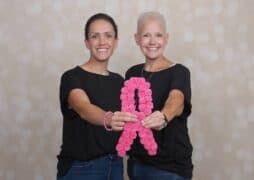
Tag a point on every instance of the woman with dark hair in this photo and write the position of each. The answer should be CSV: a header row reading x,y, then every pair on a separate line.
x,y
90,104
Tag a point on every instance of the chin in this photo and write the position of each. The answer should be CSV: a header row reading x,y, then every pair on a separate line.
x,y
152,57
102,58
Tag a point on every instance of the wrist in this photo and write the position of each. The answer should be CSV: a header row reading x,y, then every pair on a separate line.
x,y
165,117
106,120
166,121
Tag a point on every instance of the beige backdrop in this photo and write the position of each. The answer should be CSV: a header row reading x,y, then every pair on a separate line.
x,y
39,40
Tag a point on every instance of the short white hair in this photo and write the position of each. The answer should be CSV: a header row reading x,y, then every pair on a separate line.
x,y
143,17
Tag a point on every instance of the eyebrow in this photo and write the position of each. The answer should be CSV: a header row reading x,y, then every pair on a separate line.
x,y
102,32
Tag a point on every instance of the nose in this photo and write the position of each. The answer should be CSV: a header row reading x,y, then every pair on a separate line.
x,y
102,39
152,40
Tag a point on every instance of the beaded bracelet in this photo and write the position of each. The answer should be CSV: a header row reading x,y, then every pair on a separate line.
x,y
105,117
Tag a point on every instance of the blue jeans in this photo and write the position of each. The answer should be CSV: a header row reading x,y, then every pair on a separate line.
x,y
108,167
139,171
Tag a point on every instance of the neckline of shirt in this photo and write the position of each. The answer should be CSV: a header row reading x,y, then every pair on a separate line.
x,y
172,65
93,73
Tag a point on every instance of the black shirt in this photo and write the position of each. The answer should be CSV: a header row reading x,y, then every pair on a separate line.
x,y
174,147
81,139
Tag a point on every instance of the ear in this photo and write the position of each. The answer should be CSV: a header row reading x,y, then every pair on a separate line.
x,y
116,44
87,44
136,36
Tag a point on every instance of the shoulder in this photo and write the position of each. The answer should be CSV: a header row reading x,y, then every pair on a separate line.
x,y
116,75
134,70
180,68
70,73
136,67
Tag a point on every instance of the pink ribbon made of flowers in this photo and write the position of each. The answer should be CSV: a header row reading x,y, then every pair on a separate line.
x,y
145,108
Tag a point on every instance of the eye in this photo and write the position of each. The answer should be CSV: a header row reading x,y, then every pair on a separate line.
x,y
159,35
146,35
94,36
109,35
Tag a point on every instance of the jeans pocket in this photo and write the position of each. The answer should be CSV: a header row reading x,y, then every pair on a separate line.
x,y
82,164
79,170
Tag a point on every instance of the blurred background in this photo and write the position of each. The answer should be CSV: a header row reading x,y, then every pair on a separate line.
x,y
39,40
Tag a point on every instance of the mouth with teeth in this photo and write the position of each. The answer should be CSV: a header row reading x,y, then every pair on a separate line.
x,y
153,49
102,49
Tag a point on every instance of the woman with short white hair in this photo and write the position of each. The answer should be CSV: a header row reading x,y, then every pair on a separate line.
x,y
171,94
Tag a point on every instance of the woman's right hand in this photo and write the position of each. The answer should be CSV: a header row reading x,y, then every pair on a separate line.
x,y
118,120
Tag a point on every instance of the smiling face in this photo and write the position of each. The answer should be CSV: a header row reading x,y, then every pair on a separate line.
x,y
101,40
151,38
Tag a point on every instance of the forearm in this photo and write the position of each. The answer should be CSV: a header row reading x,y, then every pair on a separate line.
x,y
174,105
91,113
80,103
